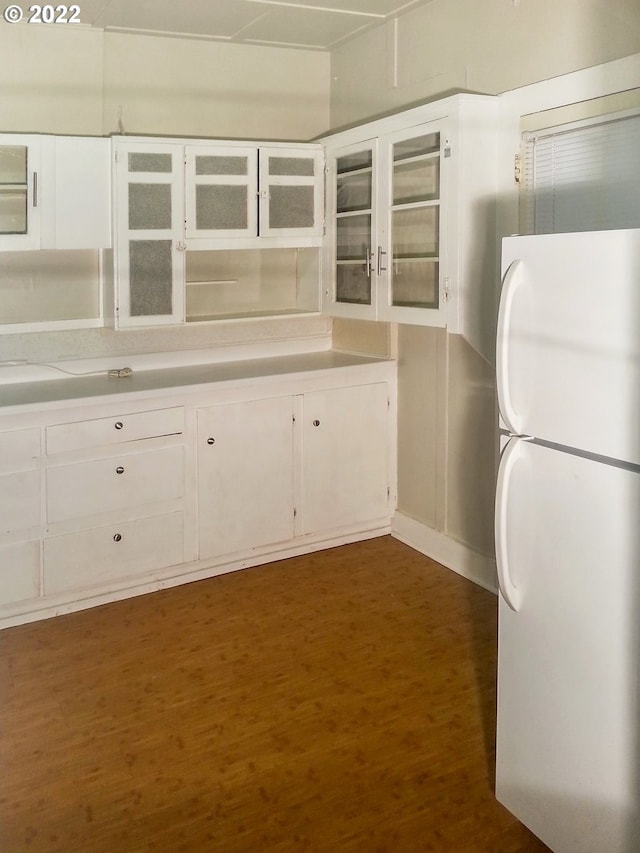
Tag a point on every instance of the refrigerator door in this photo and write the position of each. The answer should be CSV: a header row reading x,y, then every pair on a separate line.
x,y
568,348
568,747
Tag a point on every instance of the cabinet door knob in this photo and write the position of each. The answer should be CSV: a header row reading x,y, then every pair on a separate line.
x,y
119,470
119,425
117,537
316,422
211,441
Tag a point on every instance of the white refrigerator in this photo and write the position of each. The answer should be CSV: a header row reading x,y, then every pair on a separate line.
x,y
568,539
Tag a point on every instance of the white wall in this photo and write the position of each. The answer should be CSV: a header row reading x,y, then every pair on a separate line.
x,y
199,88
489,46
446,406
76,80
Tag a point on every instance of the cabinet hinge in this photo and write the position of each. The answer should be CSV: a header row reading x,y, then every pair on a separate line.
x,y
388,492
295,512
293,418
516,169
115,156
446,292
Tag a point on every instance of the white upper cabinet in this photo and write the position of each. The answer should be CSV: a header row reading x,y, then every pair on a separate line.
x,y
351,244
241,196
290,193
188,212
410,213
149,248
221,186
19,174
55,192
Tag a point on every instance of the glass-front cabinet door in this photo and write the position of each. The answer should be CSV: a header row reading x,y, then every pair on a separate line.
x,y
149,257
19,192
221,190
412,237
290,194
352,250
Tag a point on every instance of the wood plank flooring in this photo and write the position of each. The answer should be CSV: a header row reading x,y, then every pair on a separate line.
x,y
342,701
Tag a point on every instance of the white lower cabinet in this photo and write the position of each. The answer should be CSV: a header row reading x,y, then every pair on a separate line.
x,y
19,501
19,572
100,501
274,469
20,491
345,439
124,550
114,483
245,475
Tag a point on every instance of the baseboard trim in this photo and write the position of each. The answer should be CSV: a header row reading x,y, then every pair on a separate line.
x,y
443,549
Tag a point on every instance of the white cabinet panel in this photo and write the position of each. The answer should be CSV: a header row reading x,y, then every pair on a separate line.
x,y
19,572
105,485
131,426
19,450
245,486
116,551
76,193
345,457
19,501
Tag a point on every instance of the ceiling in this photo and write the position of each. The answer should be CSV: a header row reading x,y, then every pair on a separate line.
x,y
308,24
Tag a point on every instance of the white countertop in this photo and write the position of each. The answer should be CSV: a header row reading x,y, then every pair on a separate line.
x,y
36,394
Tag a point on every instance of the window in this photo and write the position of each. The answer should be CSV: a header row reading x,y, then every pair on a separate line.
x,y
583,176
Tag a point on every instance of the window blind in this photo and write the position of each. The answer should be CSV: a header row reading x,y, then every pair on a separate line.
x,y
583,177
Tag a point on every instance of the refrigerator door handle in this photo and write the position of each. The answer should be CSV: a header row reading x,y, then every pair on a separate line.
x,y
512,279
509,590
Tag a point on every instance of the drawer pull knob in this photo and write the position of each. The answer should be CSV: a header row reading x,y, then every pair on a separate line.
x,y
119,424
316,422
117,537
119,470
211,441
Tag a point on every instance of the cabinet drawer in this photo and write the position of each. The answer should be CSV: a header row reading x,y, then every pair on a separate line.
x,y
19,501
19,572
115,483
115,430
19,450
119,550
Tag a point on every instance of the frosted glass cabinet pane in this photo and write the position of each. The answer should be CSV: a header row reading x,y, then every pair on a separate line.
x,y
415,284
150,277
428,143
150,162
13,211
13,189
291,207
415,232
221,207
353,237
302,166
353,192
211,164
416,181
353,284
149,206
13,164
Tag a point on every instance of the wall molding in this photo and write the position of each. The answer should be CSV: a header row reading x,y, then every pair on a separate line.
x,y
443,549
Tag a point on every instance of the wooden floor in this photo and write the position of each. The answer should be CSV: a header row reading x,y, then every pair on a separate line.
x,y
342,701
